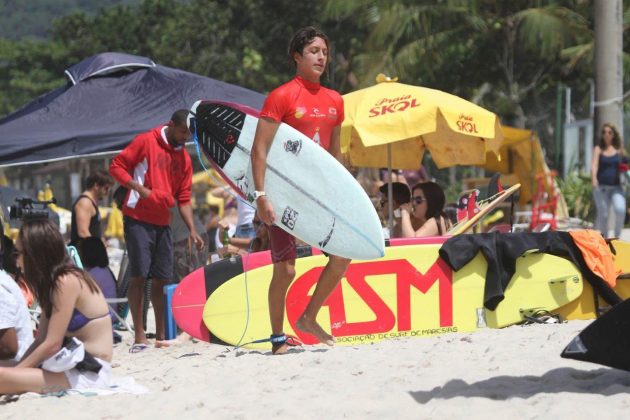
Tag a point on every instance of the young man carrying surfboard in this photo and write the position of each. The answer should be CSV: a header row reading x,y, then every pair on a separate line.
x,y
318,113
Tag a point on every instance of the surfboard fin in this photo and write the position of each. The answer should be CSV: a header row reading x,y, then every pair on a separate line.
x,y
576,349
605,341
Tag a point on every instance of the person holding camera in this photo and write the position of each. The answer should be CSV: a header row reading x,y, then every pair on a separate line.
x,y
86,219
157,172
73,348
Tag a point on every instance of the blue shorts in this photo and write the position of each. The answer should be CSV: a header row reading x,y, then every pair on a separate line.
x,y
246,230
150,249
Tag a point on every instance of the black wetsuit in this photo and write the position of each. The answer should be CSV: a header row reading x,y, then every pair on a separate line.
x,y
501,251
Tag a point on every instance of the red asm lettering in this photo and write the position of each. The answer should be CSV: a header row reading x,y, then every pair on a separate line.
x,y
406,277
439,272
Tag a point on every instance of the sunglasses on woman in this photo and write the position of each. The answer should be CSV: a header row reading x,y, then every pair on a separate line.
x,y
418,200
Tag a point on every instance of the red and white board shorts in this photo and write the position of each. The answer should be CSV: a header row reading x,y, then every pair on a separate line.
x,y
282,245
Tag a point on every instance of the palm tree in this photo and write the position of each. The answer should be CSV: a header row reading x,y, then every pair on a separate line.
x,y
504,55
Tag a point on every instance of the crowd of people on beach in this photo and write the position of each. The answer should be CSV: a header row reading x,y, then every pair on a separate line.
x,y
72,344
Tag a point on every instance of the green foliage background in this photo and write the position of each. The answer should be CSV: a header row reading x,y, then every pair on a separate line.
x,y
509,56
33,18
578,193
237,41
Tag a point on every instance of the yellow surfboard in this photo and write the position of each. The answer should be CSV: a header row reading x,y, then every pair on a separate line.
x,y
410,292
584,307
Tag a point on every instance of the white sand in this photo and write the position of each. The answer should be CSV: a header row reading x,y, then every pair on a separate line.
x,y
516,371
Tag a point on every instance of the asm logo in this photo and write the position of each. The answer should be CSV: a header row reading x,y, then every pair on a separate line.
x,y
383,318
230,139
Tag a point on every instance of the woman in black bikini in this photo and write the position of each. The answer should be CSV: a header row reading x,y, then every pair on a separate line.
x,y
72,306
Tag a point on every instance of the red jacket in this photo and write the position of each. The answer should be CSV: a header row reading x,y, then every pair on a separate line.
x,y
167,172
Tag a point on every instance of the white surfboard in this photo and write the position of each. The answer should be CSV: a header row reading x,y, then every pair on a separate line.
x,y
315,198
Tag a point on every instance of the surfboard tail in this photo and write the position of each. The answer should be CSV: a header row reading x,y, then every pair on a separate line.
x,y
605,341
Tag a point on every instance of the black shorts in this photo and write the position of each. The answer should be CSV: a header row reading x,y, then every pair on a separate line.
x,y
150,249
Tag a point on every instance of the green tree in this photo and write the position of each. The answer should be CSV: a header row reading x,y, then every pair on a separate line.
x,y
503,55
27,70
238,41
33,18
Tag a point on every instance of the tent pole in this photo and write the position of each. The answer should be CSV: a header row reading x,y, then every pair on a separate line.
x,y
390,204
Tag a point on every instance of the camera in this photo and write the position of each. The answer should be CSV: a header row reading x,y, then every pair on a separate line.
x,y
25,210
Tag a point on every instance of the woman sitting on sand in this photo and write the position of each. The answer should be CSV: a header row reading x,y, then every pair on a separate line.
x,y
425,216
72,306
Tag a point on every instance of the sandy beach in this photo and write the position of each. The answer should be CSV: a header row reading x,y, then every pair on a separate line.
x,y
513,371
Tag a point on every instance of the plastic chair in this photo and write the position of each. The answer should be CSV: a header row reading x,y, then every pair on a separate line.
x,y
112,302
544,205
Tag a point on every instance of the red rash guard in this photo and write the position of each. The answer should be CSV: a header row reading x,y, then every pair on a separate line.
x,y
167,172
308,107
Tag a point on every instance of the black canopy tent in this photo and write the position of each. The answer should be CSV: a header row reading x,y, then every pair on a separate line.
x,y
109,98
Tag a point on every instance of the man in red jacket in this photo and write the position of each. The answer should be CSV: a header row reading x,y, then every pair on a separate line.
x,y
157,171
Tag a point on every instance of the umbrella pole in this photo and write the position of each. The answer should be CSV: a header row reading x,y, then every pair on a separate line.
x,y
390,204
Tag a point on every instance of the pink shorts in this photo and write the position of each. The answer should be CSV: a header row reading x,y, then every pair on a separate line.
x,y
282,245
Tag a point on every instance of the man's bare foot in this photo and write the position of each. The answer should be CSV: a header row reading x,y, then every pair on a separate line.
x,y
180,339
278,349
312,327
183,337
161,344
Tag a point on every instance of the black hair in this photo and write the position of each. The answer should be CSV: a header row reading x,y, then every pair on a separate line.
x,y
450,210
99,178
45,261
434,194
8,258
302,38
180,117
400,192
616,141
